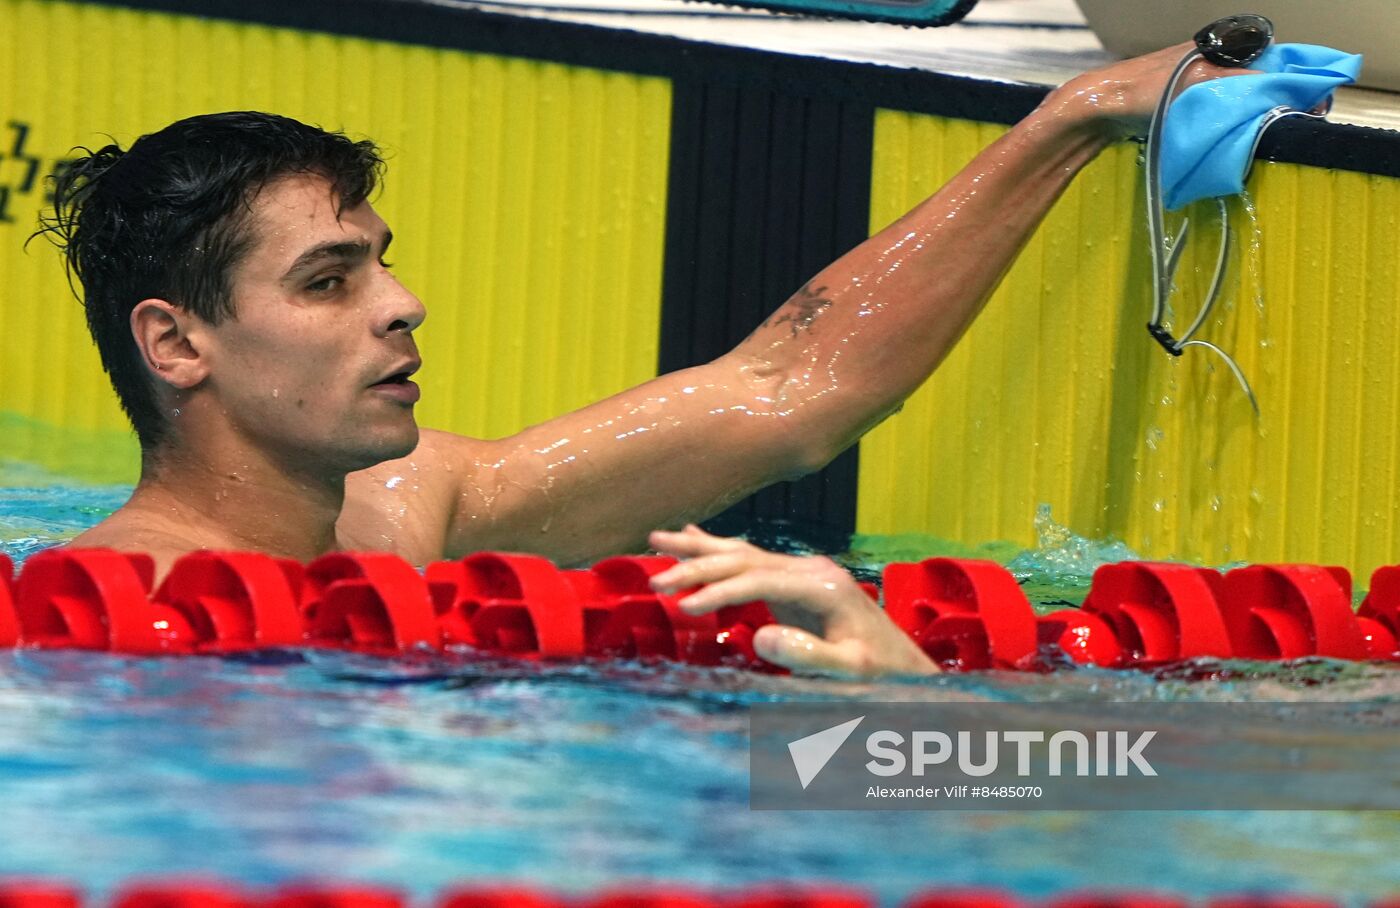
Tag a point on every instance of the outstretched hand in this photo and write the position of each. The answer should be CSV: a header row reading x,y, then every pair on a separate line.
x,y
1122,95
826,622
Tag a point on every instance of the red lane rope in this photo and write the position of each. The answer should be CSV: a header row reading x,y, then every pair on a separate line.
x,y
213,894
965,614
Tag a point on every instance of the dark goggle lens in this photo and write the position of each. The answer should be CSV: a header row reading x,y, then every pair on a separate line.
x,y
1235,40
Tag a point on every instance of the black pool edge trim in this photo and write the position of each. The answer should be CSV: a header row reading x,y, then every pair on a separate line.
x,y
765,189
1295,141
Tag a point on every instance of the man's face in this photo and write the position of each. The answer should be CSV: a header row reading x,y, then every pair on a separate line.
x,y
315,363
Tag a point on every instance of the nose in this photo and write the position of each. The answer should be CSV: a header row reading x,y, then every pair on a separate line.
x,y
400,311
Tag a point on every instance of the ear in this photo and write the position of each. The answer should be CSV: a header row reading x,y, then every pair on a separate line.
x,y
164,334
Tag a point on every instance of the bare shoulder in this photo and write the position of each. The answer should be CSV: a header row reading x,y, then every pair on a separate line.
x,y
408,505
125,531
454,495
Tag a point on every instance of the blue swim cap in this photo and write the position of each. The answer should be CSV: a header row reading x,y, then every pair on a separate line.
x,y
1210,132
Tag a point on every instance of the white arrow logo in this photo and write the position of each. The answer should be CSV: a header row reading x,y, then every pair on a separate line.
x,y
811,754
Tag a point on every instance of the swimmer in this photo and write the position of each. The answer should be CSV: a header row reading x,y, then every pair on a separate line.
x,y
236,282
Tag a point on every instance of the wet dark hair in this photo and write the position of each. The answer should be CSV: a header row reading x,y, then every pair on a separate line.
x,y
170,217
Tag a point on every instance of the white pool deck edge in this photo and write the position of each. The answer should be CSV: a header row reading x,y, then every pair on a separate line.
x,y
1038,42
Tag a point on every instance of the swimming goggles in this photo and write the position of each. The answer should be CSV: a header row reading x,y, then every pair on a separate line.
x,y
1232,41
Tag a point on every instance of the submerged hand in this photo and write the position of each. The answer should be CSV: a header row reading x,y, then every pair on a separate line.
x,y
826,623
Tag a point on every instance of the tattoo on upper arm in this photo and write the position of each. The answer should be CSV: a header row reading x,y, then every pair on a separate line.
x,y
802,310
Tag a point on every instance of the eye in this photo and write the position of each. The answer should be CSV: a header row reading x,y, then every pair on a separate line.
x,y
326,284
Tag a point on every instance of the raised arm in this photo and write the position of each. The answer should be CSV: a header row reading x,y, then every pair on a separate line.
x,y
828,365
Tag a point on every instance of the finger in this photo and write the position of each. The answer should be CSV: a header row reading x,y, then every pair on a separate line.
x,y
702,570
746,586
800,651
686,543
691,542
803,594
1205,71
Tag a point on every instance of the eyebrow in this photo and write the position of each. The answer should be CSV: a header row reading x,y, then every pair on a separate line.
x,y
344,250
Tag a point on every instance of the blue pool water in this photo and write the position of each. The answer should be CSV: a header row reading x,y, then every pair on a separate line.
x,y
422,774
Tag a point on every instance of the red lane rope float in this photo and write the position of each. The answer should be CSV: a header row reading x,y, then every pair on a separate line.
x,y
497,897
93,599
213,894
511,604
1290,611
195,894
9,621
1379,615
325,897
368,602
236,600
965,614
625,618
796,897
651,897
1081,635
964,898
1160,612
38,893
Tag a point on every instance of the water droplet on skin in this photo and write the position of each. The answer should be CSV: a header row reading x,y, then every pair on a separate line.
x,y
275,392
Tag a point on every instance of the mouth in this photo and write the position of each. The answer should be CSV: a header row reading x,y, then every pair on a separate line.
x,y
398,384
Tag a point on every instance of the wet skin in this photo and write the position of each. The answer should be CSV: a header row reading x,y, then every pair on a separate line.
x,y
287,438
